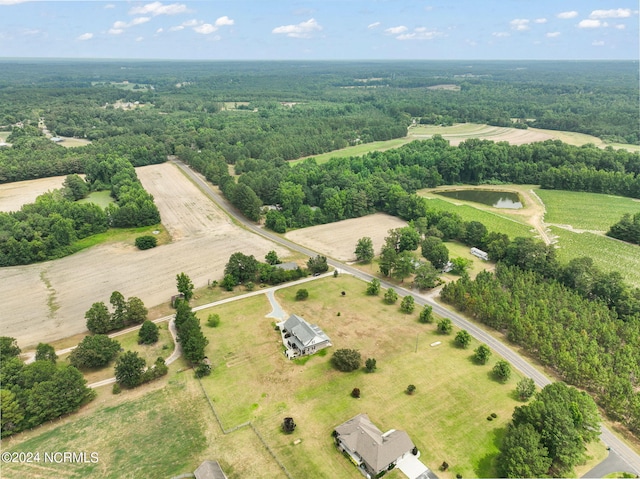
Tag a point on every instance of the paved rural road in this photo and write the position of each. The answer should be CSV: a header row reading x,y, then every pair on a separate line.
x,y
622,450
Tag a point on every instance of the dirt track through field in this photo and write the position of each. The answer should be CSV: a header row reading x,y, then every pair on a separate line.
x,y
47,301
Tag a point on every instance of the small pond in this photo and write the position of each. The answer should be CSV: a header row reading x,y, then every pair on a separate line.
x,y
497,199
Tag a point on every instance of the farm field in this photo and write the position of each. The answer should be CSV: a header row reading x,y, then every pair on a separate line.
x,y
607,253
47,301
585,211
338,240
14,195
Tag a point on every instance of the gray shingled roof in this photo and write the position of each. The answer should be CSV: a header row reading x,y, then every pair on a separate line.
x,y
307,334
361,436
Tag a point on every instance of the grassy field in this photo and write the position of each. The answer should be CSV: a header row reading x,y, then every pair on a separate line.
x,y
502,222
4,135
588,211
101,198
359,150
446,417
607,253
126,235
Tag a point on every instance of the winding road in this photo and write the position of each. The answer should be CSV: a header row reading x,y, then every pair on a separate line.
x,y
623,451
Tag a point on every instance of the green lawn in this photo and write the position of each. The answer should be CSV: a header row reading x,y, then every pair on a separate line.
x,y
588,211
607,253
148,436
126,235
359,150
446,417
493,221
101,198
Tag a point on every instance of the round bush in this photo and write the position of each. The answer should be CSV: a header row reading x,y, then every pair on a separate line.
x,y
146,242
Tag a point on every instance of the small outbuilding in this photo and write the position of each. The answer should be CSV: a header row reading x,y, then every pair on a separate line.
x,y
480,254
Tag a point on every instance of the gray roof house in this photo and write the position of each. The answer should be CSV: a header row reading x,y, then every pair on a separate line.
x,y
369,448
301,338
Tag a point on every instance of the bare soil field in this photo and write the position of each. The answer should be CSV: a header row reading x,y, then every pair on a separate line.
x,y
338,240
47,301
14,195
458,133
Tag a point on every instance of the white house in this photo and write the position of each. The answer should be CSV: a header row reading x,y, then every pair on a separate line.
x,y
369,448
301,338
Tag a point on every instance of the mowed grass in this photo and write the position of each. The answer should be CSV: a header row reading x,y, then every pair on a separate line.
x,y
160,434
358,150
501,222
101,198
607,253
446,417
588,211
125,235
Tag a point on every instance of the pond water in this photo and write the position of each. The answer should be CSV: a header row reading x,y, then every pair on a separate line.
x,y
497,199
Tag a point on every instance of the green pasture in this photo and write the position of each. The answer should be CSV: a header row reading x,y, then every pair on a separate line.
x,y
101,198
144,436
125,235
446,417
500,222
607,253
358,150
587,211
4,135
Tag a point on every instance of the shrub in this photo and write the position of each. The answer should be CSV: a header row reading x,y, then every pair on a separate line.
x,y
494,415
148,333
213,321
203,369
355,393
373,288
482,354
302,294
146,242
407,305
426,315
463,339
116,389
94,352
445,326
502,370
444,466
390,296
411,389
250,286
288,425
370,365
346,360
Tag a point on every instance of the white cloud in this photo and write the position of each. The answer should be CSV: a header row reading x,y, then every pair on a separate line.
x,y
157,8
567,15
373,25
590,24
519,24
501,34
396,30
12,2
139,21
620,26
598,43
30,31
420,33
540,20
109,5
139,39
160,30
553,34
617,13
176,28
205,29
115,31
301,30
224,21
191,23
85,36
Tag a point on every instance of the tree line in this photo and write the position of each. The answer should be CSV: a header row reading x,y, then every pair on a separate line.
x,y
627,229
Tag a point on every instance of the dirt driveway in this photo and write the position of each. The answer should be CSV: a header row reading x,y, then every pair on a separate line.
x,y
47,301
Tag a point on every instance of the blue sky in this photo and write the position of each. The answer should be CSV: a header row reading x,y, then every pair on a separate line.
x,y
321,29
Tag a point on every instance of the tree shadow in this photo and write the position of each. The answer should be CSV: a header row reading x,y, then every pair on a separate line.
x,y
486,466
